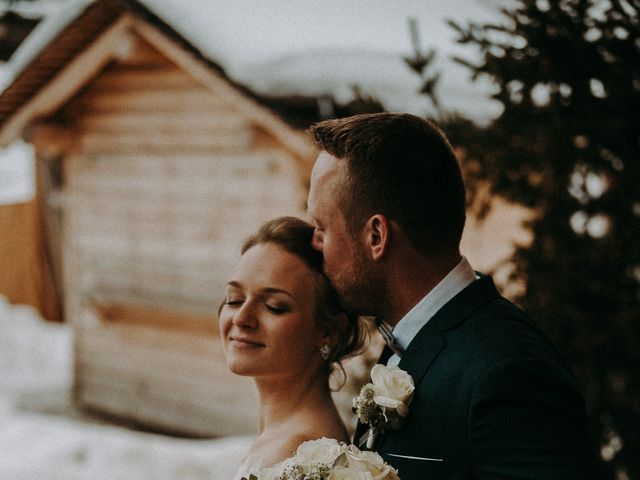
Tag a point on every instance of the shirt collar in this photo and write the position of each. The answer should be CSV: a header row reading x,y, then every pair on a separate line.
x,y
453,283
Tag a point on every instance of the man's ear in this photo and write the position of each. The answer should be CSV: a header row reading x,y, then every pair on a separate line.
x,y
377,236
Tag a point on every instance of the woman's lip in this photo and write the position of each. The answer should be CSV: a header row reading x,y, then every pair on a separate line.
x,y
244,342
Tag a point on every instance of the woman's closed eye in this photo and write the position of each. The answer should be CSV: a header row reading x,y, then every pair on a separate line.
x,y
234,302
274,307
278,308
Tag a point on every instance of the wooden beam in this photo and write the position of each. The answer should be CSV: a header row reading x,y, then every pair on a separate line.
x,y
113,312
155,101
127,121
158,142
123,78
52,141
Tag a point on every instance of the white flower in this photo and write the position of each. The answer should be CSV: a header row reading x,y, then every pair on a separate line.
x,y
344,473
324,450
370,462
271,473
393,387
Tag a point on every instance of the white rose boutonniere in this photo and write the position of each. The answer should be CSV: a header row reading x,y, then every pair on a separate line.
x,y
384,403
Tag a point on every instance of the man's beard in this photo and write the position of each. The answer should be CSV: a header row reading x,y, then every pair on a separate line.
x,y
361,290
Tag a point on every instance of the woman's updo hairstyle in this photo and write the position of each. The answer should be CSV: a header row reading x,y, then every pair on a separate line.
x,y
294,236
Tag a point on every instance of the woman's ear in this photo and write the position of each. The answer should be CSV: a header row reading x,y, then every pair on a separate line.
x,y
377,236
334,329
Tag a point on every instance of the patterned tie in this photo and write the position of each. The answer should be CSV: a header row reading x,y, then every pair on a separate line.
x,y
386,354
389,339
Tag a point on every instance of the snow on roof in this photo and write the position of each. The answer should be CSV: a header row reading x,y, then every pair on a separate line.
x,y
41,36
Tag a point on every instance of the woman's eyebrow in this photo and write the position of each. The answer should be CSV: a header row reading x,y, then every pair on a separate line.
x,y
276,290
236,284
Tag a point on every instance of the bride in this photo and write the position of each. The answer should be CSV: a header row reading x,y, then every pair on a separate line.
x,y
282,324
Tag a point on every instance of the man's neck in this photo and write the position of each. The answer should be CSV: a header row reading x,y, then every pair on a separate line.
x,y
410,282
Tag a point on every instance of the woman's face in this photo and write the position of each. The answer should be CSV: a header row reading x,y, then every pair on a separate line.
x,y
267,321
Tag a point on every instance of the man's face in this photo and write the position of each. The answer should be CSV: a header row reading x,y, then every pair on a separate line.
x,y
345,257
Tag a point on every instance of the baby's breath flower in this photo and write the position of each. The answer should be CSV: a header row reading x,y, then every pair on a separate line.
x,y
367,412
368,391
383,404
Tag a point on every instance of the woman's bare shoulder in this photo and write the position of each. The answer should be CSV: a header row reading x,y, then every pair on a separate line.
x,y
313,432
275,448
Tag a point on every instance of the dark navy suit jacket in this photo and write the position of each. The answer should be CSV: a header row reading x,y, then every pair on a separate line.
x,y
493,399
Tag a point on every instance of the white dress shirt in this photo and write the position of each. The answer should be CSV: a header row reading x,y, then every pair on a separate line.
x,y
453,283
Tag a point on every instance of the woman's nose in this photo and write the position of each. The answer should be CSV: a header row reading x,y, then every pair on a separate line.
x,y
245,316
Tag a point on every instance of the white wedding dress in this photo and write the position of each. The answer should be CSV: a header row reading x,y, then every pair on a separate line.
x,y
265,473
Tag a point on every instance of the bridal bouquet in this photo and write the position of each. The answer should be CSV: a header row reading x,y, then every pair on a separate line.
x,y
328,459
383,404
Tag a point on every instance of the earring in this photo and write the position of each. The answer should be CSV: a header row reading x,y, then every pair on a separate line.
x,y
325,352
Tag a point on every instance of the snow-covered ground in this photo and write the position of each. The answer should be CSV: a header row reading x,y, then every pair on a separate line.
x,y
42,436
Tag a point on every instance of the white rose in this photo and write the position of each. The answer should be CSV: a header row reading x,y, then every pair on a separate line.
x,y
396,405
271,473
324,450
393,387
370,462
344,473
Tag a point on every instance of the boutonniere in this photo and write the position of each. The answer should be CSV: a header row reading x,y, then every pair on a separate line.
x,y
383,404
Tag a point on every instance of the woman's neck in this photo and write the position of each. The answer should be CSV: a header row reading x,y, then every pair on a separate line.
x,y
293,410
282,399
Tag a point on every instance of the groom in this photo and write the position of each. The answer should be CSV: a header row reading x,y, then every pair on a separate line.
x,y
493,398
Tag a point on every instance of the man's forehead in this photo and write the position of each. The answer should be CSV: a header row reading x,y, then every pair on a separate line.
x,y
324,176
327,166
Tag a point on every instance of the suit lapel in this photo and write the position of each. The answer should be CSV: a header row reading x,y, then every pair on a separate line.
x,y
421,353
430,340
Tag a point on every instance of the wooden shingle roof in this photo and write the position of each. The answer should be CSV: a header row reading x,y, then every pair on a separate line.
x,y
75,36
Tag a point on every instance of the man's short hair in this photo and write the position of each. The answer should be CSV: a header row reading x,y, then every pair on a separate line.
x,y
401,166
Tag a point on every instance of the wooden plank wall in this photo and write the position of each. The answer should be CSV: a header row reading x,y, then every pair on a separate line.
x,y
25,274
164,181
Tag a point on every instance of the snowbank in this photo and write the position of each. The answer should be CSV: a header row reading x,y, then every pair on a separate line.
x,y
17,173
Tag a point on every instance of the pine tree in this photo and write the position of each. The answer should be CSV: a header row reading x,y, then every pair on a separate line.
x,y
567,145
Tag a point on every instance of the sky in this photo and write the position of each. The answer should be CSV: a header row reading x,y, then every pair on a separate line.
x,y
267,29
311,47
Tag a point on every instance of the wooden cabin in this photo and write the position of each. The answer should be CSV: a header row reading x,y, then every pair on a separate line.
x,y
152,166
